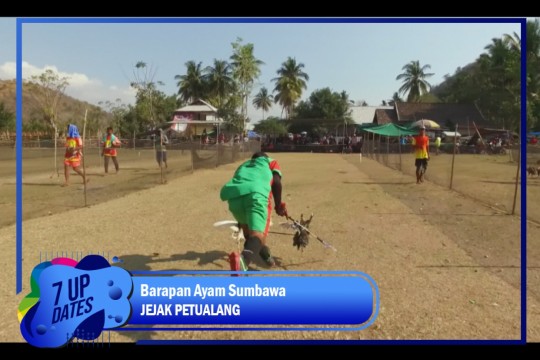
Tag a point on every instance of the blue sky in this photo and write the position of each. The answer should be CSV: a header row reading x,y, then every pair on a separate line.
x,y
361,58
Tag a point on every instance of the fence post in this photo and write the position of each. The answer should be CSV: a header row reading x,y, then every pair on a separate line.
x,y
387,151
192,146
453,158
399,149
517,175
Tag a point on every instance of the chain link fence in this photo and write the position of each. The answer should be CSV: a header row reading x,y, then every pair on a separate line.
x,y
533,182
42,174
491,177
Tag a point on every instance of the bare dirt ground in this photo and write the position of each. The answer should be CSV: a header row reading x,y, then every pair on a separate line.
x,y
447,266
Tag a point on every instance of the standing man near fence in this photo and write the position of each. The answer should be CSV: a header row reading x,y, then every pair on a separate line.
x,y
110,143
73,154
437,144
160,140
420,145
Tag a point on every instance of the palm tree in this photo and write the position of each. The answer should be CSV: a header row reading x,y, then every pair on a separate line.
x,y
289,84
533,67
219,80
513,41
533,40
414,80
263,100
191,86
246,68
498,51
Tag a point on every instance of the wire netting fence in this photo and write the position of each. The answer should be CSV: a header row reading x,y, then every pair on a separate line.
x,y
138,170
488,175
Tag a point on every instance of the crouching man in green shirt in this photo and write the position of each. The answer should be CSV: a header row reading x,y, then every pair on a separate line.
x,y
249,194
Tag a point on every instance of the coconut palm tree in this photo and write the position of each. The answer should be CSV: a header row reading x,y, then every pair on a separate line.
x,y
290,84
513,41
533,45
246,68
533,67
219,80
191,86
263,100
414,80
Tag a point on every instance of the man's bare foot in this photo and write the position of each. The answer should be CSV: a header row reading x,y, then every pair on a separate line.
x,y
64,185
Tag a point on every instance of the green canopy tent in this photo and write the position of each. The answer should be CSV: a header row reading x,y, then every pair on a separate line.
x,y
390,130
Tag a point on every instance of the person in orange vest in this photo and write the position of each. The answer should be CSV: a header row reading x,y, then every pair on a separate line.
x,y
110,143
73,154
420,144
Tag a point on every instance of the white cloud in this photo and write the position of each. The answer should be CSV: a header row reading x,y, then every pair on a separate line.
x,y
80,87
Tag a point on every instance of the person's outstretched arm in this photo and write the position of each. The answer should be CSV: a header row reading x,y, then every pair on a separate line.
x,y
280,207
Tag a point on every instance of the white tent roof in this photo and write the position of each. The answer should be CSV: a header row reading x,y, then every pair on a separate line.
x,y
451,133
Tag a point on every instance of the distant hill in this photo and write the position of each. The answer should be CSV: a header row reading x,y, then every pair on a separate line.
x,y
70,110
442,89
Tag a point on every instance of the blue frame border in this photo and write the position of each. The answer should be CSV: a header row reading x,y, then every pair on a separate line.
x,y
523,149
523,159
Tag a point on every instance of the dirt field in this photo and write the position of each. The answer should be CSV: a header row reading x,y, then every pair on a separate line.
x,y
447,266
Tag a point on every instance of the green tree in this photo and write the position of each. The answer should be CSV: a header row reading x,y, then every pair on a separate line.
x,y
290,84
533,74
271,127
246,69
493,83
148,97
533,69
46,90
395,98
7,121
263,100
414,80
191,86
325,109
35,124
500,69
220,83
118,110
130,125
325,104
